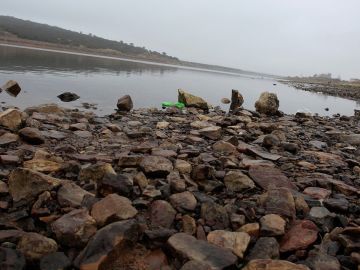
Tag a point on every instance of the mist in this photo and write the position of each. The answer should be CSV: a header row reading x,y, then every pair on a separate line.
x,y
278,37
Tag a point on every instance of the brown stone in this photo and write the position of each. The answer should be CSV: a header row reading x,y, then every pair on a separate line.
x,y
162,214
156,166
272,225
267,177
11,119
280,201
125,103
184,201
236,181
31,136
273,265
8,138
34,246
70,194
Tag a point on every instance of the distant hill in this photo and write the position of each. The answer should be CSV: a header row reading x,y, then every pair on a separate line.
x,y
28,33
28,30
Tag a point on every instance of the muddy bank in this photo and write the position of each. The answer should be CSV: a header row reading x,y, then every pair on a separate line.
x,y
171,189
337,89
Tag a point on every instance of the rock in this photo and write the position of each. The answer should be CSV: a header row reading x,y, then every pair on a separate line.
x,y
322,217
236,181
55,261
9,160
272,225
106,243
125,104
162,125
237,242
11,259
95,173
268,103
42,165
156,166
11,119
184,201
290,147
130,161
115,183
350,239
112,208
34,246
265,248
162,214
188,225
317,193
202,172
192,101
279,201
273,265
352,139
302,234
68,97
268,177
191,265
8,138
215,215
75,228
183,166
225,101
337,205
270,141
212,132
27,184
253,229
224,147
31,136
265,155
237,100
12,88
186,247
318,260
70,194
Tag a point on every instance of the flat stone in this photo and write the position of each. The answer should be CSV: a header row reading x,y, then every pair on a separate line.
x,y
41,165
273,265
156,166
83,134
263,154
237,242
110,240
224,147
95,173
75,228
184,201
34,246
27,184
272,225
70,194
31,136
9,159
183,166
279,201
186,247
191,100
212,132
8,138
302,234
11,119
236,181
162,214
317,193
162,125
267,177
265,248
112,208
215,215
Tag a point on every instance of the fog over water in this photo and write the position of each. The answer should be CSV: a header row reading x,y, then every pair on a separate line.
x,y
274,36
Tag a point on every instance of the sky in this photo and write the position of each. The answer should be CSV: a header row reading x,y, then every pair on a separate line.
x,y
282,37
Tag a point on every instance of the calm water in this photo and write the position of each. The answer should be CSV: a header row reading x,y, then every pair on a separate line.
x,y
43,75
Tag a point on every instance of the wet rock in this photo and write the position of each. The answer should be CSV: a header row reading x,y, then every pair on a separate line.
x,y
11,259
192,101
236,181
302,234
215,215
106,243
273,265
186,247
31,136
130,161
68,97
8,138
268,103
34,246
268,177
75,228
125,104
224,147
12,88
11,119
70,194
279,201
112,208
272,225
27,184
237,242
184,201
155,166
162,214
55,261
265,248
212,132
237,100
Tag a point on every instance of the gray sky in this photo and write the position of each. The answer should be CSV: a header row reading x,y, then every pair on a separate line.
x,y
286,37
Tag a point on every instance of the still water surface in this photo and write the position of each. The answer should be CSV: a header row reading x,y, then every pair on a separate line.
x,y
43,75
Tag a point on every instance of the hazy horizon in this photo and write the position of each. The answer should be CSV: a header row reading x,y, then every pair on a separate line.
x,y
276,37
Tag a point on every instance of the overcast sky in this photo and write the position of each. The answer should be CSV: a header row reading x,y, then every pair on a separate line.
x,y
285,37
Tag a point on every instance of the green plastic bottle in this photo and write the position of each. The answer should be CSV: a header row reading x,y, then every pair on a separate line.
x,y
167,104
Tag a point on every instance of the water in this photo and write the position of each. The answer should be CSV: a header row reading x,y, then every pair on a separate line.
x,y
43,75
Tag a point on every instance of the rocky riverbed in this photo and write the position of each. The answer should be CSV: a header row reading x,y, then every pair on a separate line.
x,y
178,189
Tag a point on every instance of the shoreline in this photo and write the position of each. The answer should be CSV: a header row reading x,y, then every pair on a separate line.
x,y
159,186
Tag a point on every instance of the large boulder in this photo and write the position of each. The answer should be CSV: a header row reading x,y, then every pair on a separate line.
x,y
12,88
268,103
237,100
125,104
68,97
192,101
11,119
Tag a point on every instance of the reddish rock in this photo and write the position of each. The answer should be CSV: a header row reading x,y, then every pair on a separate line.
x,y
268,177
279,201
162,214
317,193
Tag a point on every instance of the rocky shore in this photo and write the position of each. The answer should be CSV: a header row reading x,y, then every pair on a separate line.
x,y
197,188
343,90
